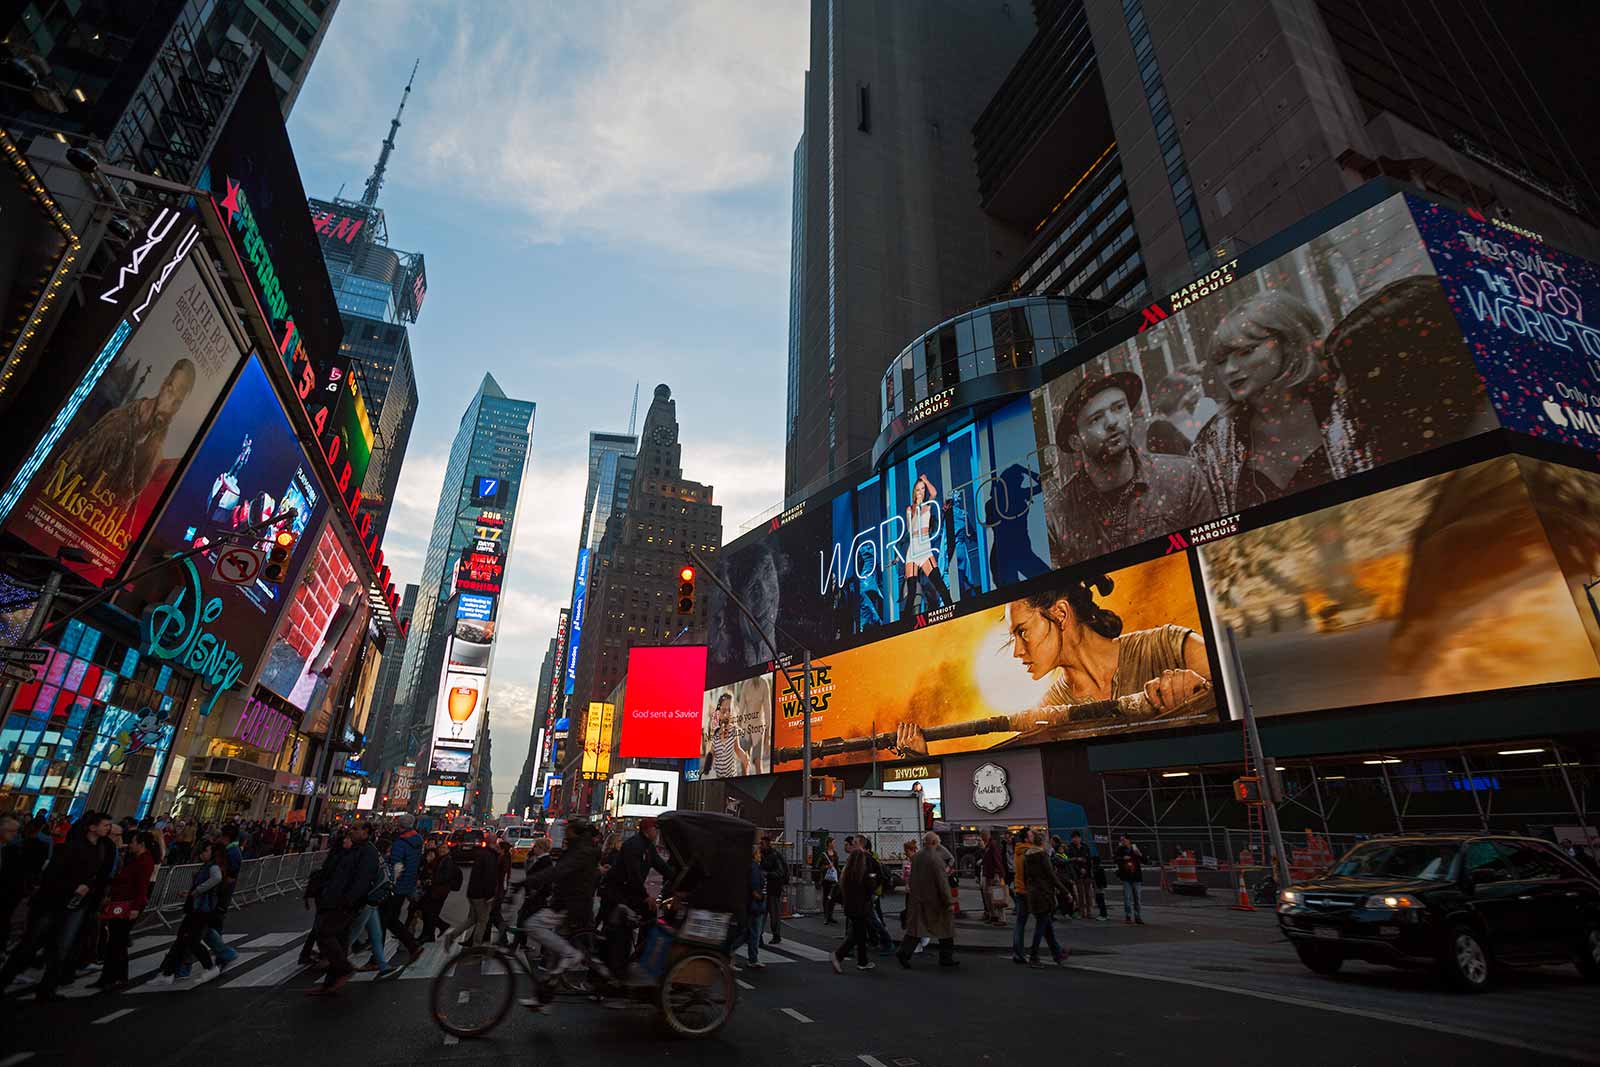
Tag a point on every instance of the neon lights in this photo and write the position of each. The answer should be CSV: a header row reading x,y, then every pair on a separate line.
x,y
171,631
64,417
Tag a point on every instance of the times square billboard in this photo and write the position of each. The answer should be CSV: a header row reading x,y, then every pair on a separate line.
x,y
1300,446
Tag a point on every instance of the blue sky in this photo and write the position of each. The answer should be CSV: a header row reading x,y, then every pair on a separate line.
x,y
602,192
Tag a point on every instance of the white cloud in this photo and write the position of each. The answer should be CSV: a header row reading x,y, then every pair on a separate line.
x,y
671,124
416,498
747,480
512,709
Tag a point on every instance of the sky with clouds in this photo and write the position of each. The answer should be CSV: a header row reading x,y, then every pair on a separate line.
x,y
602,192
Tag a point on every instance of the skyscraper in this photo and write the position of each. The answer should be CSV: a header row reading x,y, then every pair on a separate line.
x,y
380,292
147,82
522,792
887,209
1233,121
633,572
491,443
1049,166
611,458
385,748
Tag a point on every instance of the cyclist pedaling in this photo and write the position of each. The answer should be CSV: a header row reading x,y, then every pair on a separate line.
x,y
571,881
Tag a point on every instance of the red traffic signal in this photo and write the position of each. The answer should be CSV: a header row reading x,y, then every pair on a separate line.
x,y
277,568
686,590
1247,790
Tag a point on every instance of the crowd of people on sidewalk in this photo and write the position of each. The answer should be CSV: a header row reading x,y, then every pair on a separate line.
x,y
71,892
1040,877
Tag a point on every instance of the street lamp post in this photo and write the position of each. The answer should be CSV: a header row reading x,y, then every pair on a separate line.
x,y
805,700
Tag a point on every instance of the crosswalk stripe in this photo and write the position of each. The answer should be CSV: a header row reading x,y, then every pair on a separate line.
x,y
795,948
277,940
431,963
191,983
391,948
282,967
140,945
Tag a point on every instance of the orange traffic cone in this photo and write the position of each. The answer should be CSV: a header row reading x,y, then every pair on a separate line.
x,y
1242,902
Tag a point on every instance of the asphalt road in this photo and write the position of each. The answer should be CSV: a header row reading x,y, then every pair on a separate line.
x,y
794,1012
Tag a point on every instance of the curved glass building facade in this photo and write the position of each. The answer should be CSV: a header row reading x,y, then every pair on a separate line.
x,y
1003,336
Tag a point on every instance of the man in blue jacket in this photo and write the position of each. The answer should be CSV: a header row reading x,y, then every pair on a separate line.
x,y
405,860
345,889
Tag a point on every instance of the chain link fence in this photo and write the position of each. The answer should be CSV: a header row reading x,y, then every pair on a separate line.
x,y
259,879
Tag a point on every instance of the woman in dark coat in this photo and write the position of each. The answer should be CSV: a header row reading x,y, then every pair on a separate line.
x,y
928,904
857,886
1045,890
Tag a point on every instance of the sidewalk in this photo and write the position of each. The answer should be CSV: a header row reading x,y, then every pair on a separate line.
x,y
1168,918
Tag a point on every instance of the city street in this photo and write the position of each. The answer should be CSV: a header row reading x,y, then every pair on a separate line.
x,y
1198,981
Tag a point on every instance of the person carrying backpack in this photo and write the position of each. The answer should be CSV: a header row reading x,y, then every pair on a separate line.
x,y
198,904
369,921
405,864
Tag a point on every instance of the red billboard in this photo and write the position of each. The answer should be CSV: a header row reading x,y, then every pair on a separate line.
x,y
661,707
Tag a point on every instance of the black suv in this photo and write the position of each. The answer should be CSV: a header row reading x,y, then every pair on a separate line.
x,y
1464,903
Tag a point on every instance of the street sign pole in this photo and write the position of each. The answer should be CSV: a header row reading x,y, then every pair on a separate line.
x,y
805,770
1269,803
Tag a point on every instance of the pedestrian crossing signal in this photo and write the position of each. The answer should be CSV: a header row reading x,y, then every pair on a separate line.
x,y
1247,790
686,590
277,568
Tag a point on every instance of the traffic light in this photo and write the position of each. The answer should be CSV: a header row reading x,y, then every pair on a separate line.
x,y
277,568
686,590
1247,790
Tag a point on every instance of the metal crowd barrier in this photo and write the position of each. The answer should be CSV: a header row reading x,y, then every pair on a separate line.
x,y
259,879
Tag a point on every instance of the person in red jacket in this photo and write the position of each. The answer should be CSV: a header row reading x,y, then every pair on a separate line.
x,y
124,901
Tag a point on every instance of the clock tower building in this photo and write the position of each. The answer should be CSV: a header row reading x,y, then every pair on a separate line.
x,y
633,573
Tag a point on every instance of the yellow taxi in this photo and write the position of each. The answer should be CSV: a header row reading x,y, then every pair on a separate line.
x,y
520,838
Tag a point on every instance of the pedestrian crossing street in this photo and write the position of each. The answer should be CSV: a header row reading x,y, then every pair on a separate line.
x,y
273,959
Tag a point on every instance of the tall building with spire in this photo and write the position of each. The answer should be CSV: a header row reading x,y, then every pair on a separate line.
x,y
380,291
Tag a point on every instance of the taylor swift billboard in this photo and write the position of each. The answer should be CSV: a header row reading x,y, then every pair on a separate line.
x,y
1334,359
1087,656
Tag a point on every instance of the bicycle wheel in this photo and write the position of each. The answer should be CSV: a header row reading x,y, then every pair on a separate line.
x,y
697,995
474,991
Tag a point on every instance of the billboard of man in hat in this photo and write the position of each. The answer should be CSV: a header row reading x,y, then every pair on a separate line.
x,y
1121,495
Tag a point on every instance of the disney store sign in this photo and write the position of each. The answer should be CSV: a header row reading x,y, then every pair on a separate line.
x,y
174,630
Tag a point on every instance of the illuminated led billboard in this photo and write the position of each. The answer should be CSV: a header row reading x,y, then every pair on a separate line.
x,y
661,708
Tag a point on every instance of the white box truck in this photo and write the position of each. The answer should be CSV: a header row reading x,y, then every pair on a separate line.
x,y
889,819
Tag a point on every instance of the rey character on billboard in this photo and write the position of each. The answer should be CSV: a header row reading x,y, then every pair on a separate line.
x,y
1107,678
1285,424
724,756
922,564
